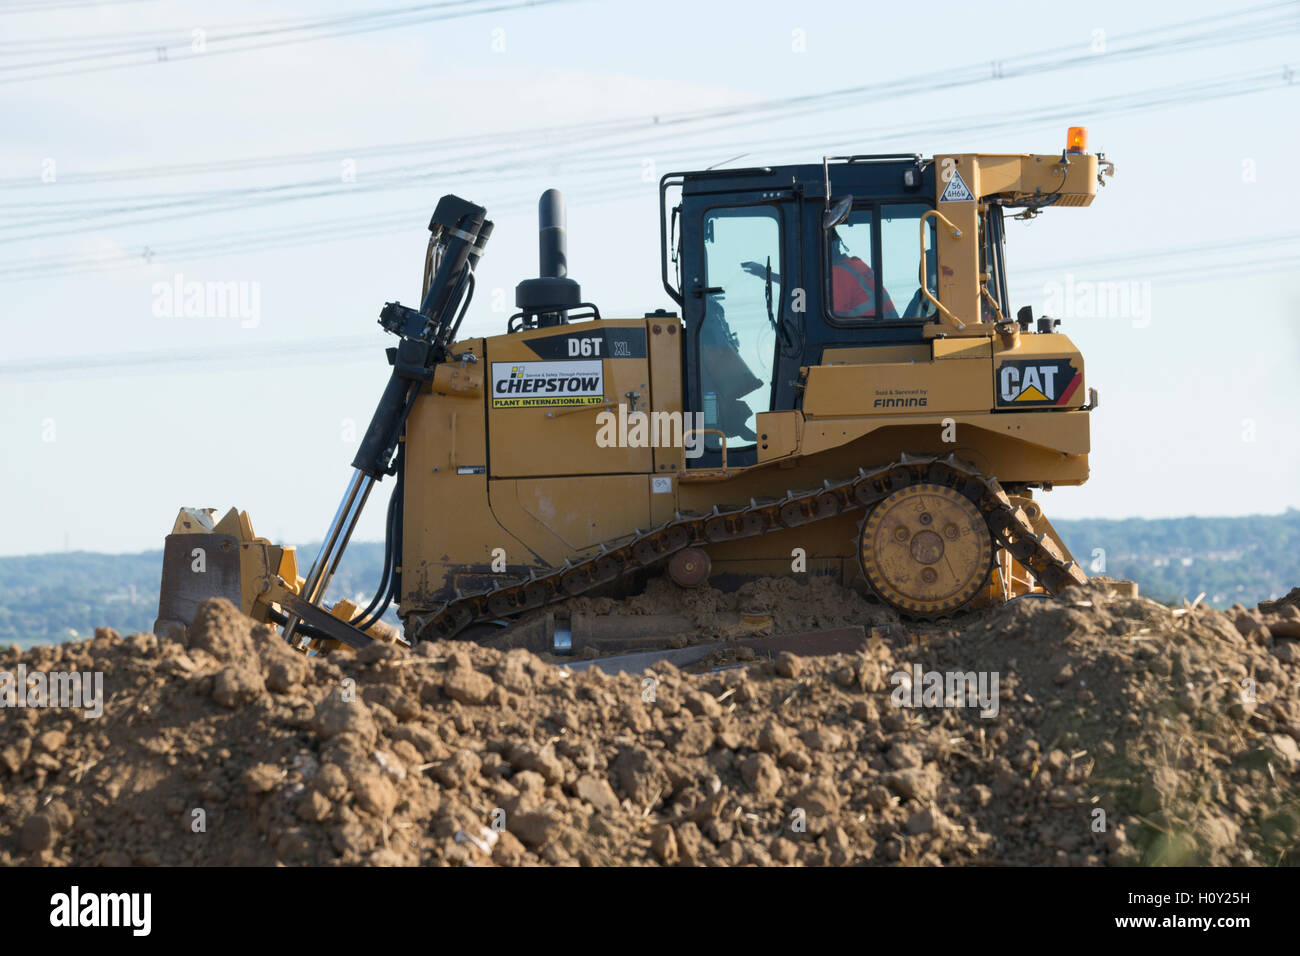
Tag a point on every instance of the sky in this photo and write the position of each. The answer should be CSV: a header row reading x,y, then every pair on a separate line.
x,y
293,152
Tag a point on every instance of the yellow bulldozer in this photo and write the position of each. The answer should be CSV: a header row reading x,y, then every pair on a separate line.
x,y
841,389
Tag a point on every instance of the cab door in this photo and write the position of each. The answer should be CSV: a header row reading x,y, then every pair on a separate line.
x,y
742,343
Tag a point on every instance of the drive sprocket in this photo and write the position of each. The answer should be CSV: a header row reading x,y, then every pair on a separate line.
x,y
926,549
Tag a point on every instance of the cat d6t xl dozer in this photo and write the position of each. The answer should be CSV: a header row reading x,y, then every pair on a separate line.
x,y
842,390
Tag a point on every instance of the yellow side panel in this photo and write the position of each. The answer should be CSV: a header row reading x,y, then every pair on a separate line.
x,y
897,389
1032,446
875,354
663,497
778,434
981,348
447,524
459,380
665,338
539,429
558,518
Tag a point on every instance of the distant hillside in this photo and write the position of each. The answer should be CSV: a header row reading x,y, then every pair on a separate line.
x,y
1244,560
46,598
53,597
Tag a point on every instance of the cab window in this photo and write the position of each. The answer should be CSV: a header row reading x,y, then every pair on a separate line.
x,y
873,264
737,336
854,290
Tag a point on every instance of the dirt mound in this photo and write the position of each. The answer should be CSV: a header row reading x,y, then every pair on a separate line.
x,y
791,605
1117,732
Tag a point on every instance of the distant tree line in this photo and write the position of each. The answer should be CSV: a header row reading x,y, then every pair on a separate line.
x,y
54,597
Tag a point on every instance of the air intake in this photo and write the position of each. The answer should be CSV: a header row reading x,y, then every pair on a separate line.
x,y
548,299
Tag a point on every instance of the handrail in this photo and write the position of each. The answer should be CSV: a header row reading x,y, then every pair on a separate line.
x,y
605,404
705,431
925,291
667,182
997,309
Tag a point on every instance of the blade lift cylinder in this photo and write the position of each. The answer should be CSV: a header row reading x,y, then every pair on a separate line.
x,y
459,234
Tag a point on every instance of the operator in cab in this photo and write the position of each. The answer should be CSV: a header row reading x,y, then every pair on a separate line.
x,y
853,283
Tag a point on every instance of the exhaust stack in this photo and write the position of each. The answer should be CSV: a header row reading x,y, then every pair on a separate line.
x,y
547,300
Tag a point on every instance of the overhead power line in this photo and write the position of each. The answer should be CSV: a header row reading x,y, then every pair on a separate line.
x,y
296,235
166,361
47,6
1218,30
221,44
1267,241
605,174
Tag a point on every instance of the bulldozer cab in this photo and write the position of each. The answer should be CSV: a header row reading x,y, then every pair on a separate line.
x,y
776,268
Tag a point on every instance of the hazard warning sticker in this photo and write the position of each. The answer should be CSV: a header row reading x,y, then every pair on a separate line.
x,y
957,190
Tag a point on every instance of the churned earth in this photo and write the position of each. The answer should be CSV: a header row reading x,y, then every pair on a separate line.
x,y
1120,732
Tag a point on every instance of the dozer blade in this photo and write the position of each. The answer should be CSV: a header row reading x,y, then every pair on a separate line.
x,y
198,563
204,558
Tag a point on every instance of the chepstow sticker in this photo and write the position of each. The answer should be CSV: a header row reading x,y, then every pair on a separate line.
x,y
1036,382
536,384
